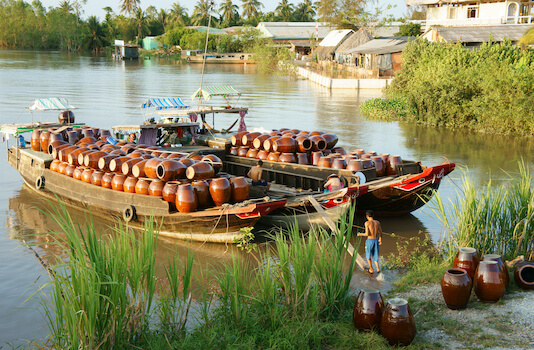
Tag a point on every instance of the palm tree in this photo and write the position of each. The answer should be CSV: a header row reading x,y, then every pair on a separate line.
x,y
202,12
66,7
129,6
284,10
95,35
229,12
141,22
251,8
109,12
162,18
178,14
305,11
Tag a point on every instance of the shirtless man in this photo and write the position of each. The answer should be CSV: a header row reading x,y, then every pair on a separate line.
x,y
373,232
255,174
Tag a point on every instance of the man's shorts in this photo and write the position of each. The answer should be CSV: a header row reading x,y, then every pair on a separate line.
x,y
259,183
371,249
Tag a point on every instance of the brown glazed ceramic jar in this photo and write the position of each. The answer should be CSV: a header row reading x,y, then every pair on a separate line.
x,y
169,191
303,159
36,140
54,164
88,139
44,140
86,175
287,158
72,137
63,153
316,156
379,165
91,159
127,167
138,169
156,188
318,143
54,136
252,153
96,177
69,170
116,163
524,275
141,187
273,156
248,139
55,146
233,151
467,259
258,141
355,165
170,169
325,162
129,184
220,190
314,133
72,157
78,173
186,200
202,192
263,154
242,151
187,161
397,324
106,180
117,183
393,162
489,282
215,162
240,189
285,145
61,167
339,150
367,163
502,267
368,309
151,167
456,288
339,164
303,144
269,143
200,171
237,138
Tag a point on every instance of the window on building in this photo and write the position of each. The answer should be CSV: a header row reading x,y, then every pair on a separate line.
x,y
472,12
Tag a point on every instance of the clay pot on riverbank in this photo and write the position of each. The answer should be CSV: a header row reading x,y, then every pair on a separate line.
x,y
368,309
186,200
220,191
115,164
187,161
240,189
214,161
54,136
263,154
331,140
72,137
456,288
63,153
316,156
524,275
269,143
202,191
117,183
242,151
502,267
156,188
233,151
489,282
467,259
55,146
36,140
339,164
86,175
129,184
397,324
106,180
200,171
89,140
170,169
141,186
69,170
96,177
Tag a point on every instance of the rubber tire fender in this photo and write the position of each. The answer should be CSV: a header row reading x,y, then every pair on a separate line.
x,y
128,214
40,183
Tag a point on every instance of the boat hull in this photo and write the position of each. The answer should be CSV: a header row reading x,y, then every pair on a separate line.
x,y
220,224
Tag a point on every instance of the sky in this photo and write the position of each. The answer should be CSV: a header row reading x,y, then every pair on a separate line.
x,y
94,7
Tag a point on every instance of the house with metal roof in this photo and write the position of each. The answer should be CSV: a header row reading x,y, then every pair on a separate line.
x,y
354,40
288,31
327,48
472,36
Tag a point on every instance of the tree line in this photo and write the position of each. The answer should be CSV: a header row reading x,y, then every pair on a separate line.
x,y
31,26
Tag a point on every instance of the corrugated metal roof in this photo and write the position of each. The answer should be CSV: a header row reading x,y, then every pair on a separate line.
x,y
354,40
480,34
335,37
292,30
379,47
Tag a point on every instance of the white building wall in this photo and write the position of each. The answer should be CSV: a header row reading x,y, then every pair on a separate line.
x,y
488,14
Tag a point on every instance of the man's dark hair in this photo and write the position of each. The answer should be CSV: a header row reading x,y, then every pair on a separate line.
x,y
260,162
370,213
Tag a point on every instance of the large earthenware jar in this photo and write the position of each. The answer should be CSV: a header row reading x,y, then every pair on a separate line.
x,y
72,157
314,133
127,167
524,275
325,162
304,144
355,165
220,190
339,163
54,165
69,170
233,150
263,154
456,288
151,168
379,165
467,259
215,162
248,139
367,163
86,175
55,146
339,150
44,140
96,177
202,192
186,200
138,169
200,171
285,145
169,170
36,140
316,156
65,117
169,191
287,158
117,183
88,140
489,282
303,159
61,167
242,151
368,310
273,156
91,159
258,141
502,267
104,162
55,136
106,180
141,187
252,153
269,143
156,188
72,136
78,172
240,189
318,143
129,184
397,324
63,153
237,138
115,164
187,161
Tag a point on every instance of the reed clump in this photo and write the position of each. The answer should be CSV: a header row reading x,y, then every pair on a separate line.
x,y
492,219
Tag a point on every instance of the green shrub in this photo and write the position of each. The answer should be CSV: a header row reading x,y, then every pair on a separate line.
x,y
384,109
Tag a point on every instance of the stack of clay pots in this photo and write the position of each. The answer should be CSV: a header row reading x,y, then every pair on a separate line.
x,y
488,277
394,319
310,148
188,183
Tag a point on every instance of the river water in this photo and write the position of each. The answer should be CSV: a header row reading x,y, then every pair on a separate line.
x,y
108,93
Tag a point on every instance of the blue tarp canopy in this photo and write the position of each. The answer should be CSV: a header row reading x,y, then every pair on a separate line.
x,y
164,103
208,92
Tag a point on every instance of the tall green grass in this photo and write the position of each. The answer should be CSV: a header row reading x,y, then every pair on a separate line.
x,y
492,219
